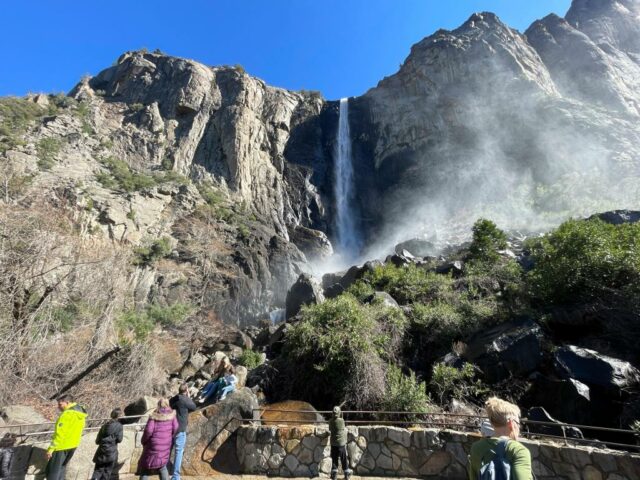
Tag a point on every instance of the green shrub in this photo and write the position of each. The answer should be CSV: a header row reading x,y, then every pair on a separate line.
x,y
405,394
442,321
448,383
586,261
361,290
136,107
250,359
16,114
170,315
48,149
487,240
121,177
339,349
140,323
154,250
409,284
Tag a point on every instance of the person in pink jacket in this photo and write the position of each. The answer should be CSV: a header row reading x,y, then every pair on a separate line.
x,y
157,441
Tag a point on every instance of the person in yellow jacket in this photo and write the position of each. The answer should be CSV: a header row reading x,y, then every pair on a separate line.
x,y
66,437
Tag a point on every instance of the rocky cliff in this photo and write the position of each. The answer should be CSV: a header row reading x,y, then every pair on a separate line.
x,y
236,177
484,120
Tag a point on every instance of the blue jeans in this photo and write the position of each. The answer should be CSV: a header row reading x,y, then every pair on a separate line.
x,y
178,444
211,389
226,391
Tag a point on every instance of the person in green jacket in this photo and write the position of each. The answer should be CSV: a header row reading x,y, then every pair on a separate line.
x,y
338,433
66,437
505,420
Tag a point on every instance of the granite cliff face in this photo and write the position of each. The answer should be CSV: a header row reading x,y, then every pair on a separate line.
x,y
525,128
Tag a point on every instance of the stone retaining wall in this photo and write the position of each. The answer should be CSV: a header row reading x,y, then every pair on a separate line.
x,y
389,451
29,459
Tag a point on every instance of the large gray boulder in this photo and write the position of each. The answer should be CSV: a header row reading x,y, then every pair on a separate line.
x,y
306,291
509,349
210,448
607,374
23,415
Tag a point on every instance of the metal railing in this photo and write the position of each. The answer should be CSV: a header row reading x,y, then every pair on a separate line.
x,y
465,422
27,430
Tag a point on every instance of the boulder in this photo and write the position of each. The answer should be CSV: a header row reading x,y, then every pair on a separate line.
x,y
313,243
607,374
539,414
139,408
306,291
22,415
401,260
618,217
348,278
333,291
455,269
382,298
241,374
210,448
512,348
416,247
568,400
276,413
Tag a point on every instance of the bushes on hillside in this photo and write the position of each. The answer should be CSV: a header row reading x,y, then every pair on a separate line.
x,y
154,250
587,261
338,351
405,393
409,284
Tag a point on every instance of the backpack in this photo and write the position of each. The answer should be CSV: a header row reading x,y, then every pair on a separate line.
x,y
498,468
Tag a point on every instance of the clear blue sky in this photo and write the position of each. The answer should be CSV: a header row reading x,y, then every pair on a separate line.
x,y
340,47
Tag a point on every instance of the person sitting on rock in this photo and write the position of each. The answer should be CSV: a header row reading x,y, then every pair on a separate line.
x,y
6,455
106,456
502,447
338,433
220,388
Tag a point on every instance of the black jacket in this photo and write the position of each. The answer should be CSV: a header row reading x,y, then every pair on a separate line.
x,y
182,405
109,436
6,454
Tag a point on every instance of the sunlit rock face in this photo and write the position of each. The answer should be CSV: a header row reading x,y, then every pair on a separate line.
x,y
524,128
527,129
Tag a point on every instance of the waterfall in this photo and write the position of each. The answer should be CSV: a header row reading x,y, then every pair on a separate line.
x,y
349,241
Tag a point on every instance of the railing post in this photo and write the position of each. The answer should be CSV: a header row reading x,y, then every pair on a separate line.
x,y
564,435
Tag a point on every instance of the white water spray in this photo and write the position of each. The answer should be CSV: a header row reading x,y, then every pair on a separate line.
x,y
349,241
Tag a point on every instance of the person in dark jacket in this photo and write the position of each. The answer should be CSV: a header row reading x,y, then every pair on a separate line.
x,y
157,440
182,404
106,456
6,455
338,433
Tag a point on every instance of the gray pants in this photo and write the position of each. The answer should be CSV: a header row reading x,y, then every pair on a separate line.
x,y
57,465
163,472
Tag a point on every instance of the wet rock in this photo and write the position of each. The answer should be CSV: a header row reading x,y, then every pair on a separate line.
x,y
334,291
306,291
618,217
608,374
455,269
416,247
313,243
513,348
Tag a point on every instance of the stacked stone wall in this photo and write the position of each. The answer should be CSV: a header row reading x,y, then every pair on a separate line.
x,y
396,452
